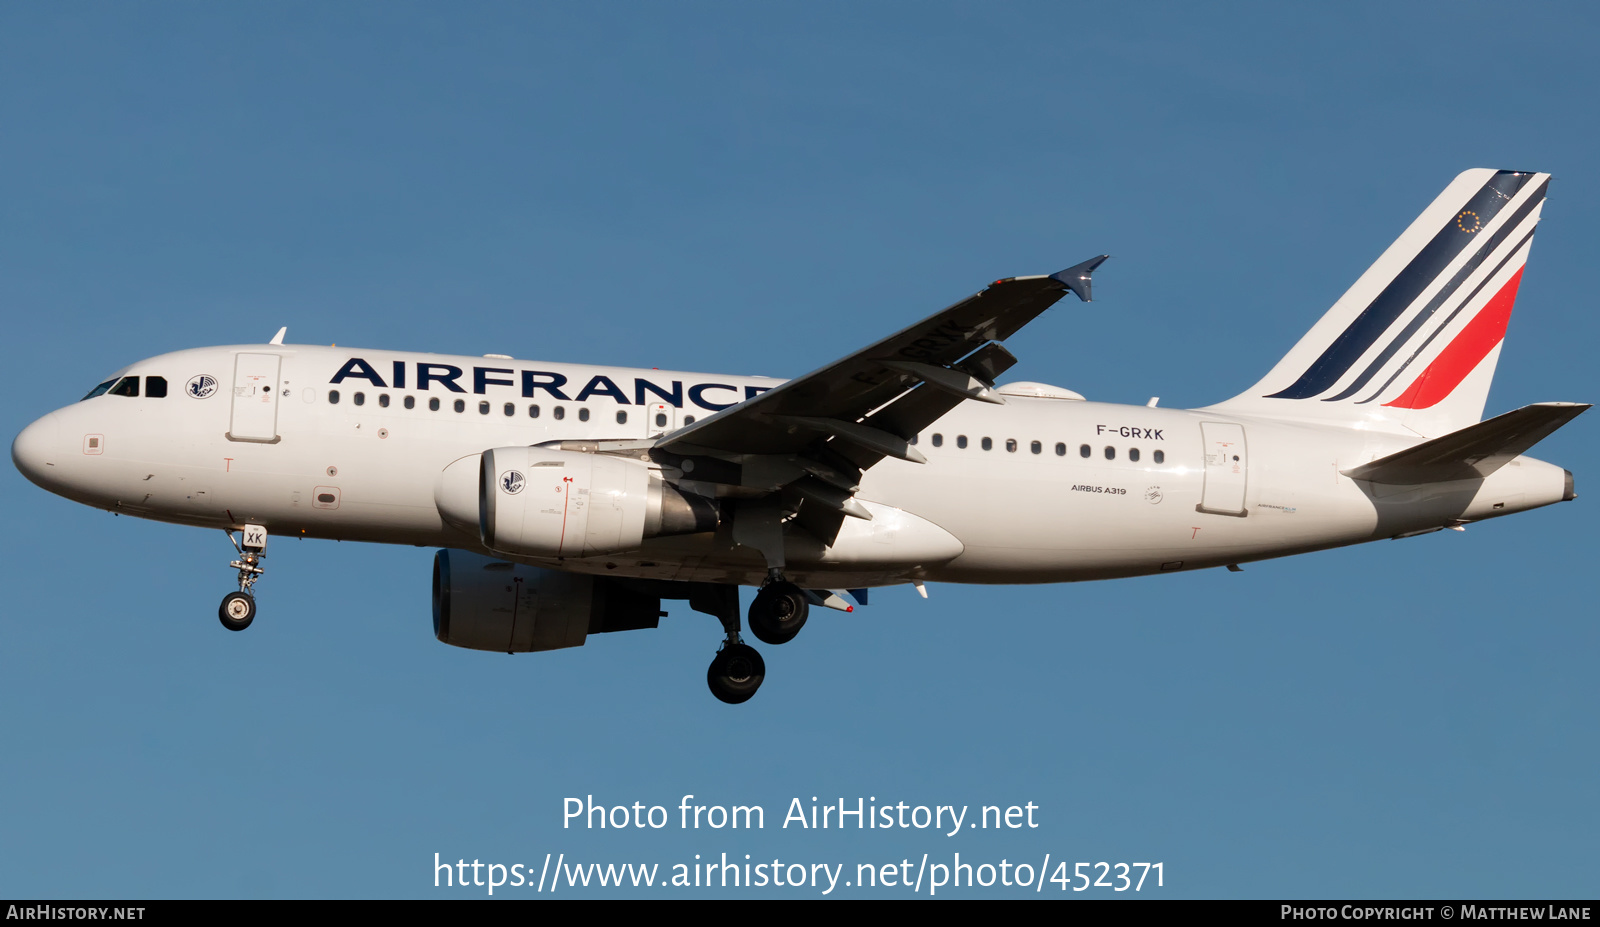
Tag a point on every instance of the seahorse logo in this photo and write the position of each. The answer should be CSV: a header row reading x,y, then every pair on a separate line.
x,y
202,386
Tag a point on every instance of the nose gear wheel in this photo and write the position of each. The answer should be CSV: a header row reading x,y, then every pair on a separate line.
x,y
238,609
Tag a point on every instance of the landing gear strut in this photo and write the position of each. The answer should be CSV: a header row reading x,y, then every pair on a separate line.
x,y
238,609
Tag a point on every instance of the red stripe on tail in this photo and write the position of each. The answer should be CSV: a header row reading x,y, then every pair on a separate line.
x,y
1462,355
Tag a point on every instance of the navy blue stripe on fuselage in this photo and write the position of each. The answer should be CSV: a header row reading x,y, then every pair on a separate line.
x,y
1444,294
1404,289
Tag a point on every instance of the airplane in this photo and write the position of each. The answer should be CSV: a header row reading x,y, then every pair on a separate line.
x,y
569,500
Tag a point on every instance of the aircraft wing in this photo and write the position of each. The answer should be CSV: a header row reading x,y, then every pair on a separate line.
x,y
816,433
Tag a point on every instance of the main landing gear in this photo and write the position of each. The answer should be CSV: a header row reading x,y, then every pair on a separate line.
x,y
779,611
238,609
736,671
776,616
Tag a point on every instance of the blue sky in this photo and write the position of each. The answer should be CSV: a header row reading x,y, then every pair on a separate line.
x,y
759,189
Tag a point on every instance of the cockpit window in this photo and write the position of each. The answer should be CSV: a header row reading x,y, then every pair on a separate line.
x,y
155,387
99,390
127,386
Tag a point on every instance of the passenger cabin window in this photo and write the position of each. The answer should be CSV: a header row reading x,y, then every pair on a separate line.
x,y
483,407
583,414
1084,451
1160,457
461,405
99,390
411,402
938,439
622,416
988,444
155,387
127,386
533,411
433,404
688,420
511,409
1111,452
559,413
383,400
1061,449
333,397
661,419
1036,447
1133,454
961,441
359,399
1011,445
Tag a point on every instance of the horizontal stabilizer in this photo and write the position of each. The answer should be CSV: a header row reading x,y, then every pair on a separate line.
x,y
1473,452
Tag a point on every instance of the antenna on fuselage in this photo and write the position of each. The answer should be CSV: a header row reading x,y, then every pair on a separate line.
x,y
278,338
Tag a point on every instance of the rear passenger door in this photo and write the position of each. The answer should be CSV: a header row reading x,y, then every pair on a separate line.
x,y
1227,468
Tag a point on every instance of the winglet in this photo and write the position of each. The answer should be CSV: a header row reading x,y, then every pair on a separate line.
x,y
1076,277
278,338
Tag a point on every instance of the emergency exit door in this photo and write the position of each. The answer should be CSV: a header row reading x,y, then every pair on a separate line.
x,y
660,418
1227,469
255,399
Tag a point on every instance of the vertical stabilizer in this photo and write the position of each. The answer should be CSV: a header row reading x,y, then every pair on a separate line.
x,y
1413,343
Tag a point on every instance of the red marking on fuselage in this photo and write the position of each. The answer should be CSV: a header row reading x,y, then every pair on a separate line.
x,y
1196,532
1463,354
228,468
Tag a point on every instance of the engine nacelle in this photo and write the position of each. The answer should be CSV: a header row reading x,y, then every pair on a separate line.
x,y
484,604
561,503
542,502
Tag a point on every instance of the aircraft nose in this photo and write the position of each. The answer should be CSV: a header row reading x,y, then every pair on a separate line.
x,y
35,449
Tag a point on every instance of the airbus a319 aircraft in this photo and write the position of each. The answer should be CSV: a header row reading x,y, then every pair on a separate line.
x,y
570,500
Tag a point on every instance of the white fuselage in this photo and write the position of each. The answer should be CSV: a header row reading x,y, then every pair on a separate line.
x,y
1036,490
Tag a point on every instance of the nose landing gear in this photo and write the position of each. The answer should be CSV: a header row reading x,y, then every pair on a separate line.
x,y
238,609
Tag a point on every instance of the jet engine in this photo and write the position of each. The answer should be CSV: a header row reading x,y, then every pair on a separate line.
x,y
484,604
542,502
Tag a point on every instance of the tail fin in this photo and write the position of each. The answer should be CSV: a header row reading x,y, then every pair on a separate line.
x,y
1414,342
